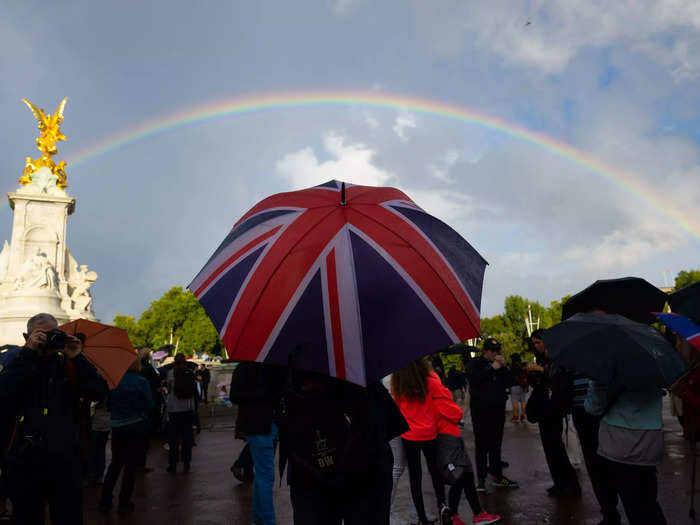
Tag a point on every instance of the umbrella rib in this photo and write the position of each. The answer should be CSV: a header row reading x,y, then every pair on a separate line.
x,y
430,266
282,260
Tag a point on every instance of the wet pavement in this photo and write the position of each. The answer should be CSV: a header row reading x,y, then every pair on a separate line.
x,y
210,495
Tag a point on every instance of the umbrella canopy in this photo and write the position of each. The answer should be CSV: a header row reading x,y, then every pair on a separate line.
x,y
354,283
160,354
107,347
615,351
632,297
686,301
682,326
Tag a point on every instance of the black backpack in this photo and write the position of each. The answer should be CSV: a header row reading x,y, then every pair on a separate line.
x,y
321,438
184,383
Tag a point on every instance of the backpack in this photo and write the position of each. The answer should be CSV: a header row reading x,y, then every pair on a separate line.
x,y
319,437
184,386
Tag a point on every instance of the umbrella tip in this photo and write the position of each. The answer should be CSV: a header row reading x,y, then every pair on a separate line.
x,y
342,194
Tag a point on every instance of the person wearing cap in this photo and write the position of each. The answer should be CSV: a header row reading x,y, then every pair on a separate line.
x,y
488,388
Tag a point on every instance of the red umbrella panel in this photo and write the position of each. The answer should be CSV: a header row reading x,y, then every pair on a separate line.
x,y
108,348
350,281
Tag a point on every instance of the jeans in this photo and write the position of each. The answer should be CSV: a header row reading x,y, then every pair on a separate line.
x,y
180,431
262,449
488,423
399,464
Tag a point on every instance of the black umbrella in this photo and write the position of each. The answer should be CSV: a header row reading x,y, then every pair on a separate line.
x,y
686,301
614,351
632,297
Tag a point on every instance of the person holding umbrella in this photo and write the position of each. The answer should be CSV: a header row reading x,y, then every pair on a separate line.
x,y
631,445
628,363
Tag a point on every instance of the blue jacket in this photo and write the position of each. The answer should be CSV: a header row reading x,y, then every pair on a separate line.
x,y
131,401
633,409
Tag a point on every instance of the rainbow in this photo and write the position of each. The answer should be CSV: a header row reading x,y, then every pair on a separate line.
x,y
382,100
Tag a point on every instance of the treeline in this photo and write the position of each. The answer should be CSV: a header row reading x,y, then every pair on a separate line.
x,y
176,318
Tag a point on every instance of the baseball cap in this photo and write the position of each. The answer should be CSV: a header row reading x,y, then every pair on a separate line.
x,y
491,344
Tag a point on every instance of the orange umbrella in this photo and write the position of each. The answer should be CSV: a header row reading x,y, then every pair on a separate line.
x,y
106,347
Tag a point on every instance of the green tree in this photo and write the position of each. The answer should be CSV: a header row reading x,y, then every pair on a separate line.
x,y
684,278
177,315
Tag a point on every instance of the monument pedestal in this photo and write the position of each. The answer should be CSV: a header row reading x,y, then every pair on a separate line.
x,y
37,271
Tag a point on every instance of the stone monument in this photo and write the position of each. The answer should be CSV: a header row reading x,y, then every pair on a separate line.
x,y
37,271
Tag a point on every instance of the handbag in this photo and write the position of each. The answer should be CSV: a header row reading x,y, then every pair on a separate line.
x,y
452,459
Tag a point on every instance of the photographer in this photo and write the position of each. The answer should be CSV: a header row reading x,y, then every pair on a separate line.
x,y
40,391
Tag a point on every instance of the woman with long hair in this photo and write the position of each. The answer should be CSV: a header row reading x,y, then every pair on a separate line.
x,y
412,388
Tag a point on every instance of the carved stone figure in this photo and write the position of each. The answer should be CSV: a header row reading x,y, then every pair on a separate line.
x,y
37,272
81,297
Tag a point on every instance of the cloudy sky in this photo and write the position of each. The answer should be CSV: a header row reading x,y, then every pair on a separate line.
x,y
619,81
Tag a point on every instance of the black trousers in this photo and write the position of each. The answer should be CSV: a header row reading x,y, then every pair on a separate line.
x,y
466,484
605,492
60,486
551,429
413,451
365,501
180,433
638,491
488,423
98,443
127,446
245,459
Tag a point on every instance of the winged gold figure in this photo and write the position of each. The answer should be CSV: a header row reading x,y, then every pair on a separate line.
x,y
49,126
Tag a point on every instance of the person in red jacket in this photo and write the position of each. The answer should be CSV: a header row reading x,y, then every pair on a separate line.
x,y
413,387
448,415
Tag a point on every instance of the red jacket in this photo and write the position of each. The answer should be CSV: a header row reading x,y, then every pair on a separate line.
x,y
436,414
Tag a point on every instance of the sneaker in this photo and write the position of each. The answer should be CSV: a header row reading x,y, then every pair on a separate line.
x,y
522,418
481,486
445,515
456,520
504,482
514,419
485,518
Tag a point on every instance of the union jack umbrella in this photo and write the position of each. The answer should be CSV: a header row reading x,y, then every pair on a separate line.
x,y
351,283
683,326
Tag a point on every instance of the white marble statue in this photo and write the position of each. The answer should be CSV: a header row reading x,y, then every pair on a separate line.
x,y
81,297
37,273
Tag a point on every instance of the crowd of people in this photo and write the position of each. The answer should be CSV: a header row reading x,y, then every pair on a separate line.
x,y
343,447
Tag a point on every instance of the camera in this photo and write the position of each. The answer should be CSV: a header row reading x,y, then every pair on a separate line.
x,y
56,339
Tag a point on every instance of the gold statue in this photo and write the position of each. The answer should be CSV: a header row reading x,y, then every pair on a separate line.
x,y
46,144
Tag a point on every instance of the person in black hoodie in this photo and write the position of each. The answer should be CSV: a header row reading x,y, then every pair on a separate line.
x,y
489,380
256,389
41,391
